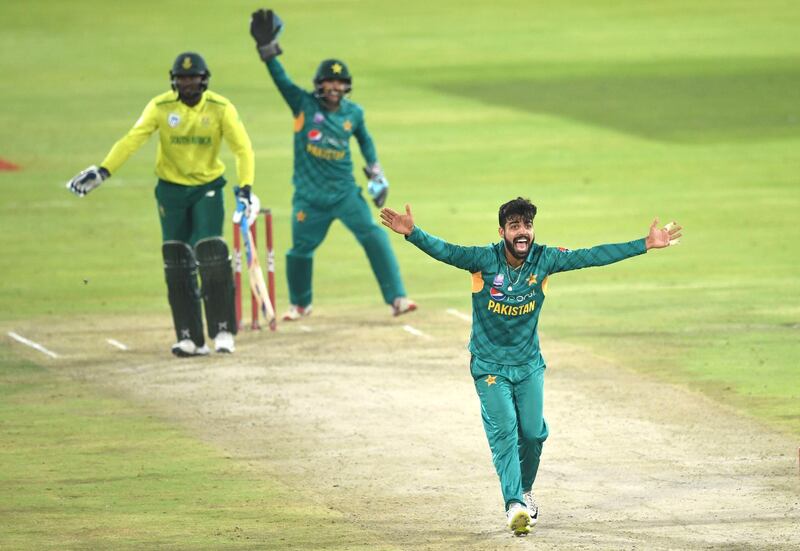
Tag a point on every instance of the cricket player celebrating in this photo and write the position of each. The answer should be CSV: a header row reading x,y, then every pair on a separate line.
x,y
324,122
192,122
509,283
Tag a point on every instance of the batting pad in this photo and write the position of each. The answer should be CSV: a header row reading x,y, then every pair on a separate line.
x,y
216,275
180,270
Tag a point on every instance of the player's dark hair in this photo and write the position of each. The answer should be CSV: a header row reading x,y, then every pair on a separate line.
x,y
518,207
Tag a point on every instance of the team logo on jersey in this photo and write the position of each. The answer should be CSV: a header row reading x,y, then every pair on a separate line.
x,y
347,126
318,117
314,135
205,121
532,279
173,120
491,380
496,294
499,279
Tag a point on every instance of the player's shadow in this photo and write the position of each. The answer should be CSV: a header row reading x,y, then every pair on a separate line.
x,y
684,101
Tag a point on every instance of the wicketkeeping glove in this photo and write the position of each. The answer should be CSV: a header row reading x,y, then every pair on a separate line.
x,y
378,185
87,180
265,26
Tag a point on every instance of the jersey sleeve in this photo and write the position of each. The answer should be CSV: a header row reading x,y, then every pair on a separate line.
x,y
559,259
236,137
365,141
472,259
292,93
133,140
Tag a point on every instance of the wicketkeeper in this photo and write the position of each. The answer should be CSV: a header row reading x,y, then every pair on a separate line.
x,y
324,122
192,123
509,283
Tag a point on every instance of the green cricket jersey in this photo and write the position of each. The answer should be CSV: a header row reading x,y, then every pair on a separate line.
x,y
506,302
323,168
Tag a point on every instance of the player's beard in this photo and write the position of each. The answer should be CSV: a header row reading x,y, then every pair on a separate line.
x,y
332,99
190,94
519,255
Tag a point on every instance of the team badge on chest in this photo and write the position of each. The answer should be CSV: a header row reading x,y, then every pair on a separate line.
x,y
173,120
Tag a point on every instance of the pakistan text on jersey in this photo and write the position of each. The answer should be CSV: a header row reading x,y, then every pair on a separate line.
x,y
508,310
327,154
190,140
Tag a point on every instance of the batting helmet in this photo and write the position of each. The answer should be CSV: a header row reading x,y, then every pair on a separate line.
x,y
190,64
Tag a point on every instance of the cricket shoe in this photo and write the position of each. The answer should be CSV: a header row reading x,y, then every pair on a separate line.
x,y
223,342
187,348
296,312
519,519
533,509
403,305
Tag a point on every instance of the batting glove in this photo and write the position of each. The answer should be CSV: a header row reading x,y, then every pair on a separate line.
x,y
247,205
87,180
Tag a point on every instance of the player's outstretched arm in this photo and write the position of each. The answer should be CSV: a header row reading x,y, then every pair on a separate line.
x,y
663,237
399,223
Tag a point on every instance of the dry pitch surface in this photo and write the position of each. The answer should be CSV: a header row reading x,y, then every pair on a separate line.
x,y
361,416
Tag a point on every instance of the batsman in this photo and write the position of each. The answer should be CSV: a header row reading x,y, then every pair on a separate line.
x,y
509,285
324,187
192,122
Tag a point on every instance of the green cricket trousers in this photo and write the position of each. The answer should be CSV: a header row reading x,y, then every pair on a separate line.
x,y
512,405
310,224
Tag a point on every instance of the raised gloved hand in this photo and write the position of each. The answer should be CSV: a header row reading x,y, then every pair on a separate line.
x,y
265,26
247,205
378,185
86,180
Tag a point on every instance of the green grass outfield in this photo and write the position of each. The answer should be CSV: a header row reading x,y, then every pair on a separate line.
x,y
604,115
87,471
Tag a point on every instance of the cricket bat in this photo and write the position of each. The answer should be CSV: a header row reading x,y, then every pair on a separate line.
x,y
257,284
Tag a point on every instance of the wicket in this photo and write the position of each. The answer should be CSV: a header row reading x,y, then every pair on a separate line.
x,y
237,269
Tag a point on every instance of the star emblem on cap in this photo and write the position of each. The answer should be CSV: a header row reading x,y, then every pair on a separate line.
x,y
336,68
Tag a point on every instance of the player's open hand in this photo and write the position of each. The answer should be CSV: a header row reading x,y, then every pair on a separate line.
x,y
400,223
664,237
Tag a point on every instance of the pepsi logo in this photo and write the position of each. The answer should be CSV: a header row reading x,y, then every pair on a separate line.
x,y
496,294
314,135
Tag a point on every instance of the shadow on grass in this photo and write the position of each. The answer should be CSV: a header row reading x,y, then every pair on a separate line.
x,y
672,101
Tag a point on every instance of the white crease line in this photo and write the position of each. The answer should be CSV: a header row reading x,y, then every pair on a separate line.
x,y
461,315
416,332
34,345
305,328
114,342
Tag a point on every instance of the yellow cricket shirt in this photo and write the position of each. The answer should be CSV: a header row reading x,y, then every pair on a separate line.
x,y
189,140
